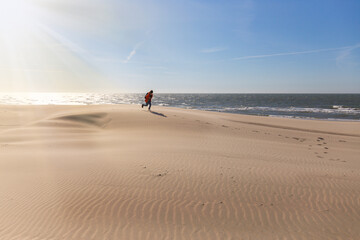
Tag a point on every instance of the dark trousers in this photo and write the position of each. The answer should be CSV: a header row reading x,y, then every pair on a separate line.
x,y
147,104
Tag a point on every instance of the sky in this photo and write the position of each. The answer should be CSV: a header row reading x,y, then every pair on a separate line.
x,y
184,46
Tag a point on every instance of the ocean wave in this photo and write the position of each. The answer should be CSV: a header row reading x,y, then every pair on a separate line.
x,y
314,118
292,109
344,107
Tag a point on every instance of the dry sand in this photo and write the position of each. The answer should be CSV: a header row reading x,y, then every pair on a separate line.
x,y
121,172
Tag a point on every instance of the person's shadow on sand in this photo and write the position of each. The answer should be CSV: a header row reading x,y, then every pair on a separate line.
x,y
157,113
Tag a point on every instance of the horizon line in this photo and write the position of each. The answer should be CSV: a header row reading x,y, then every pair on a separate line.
x,y
77,92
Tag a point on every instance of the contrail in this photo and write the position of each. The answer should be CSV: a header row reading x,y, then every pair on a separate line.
x,y
297,53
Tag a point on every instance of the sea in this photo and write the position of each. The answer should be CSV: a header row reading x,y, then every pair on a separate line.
x,y
343,107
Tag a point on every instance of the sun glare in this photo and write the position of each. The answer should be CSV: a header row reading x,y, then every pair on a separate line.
x,y
16,16
33,53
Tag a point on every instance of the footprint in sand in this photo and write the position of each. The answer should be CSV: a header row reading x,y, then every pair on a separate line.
x,y
337,160
161,174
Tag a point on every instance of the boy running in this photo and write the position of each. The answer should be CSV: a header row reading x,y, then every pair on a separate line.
x,y
148,98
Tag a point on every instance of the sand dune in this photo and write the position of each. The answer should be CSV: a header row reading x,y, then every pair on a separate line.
x,y
121,172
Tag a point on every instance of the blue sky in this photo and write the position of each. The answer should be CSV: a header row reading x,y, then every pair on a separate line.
x,y
187,46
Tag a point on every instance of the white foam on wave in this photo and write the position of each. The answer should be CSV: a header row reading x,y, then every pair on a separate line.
x,y
313,118
293,109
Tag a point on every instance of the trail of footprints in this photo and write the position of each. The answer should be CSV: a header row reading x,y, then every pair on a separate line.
x,y
321,148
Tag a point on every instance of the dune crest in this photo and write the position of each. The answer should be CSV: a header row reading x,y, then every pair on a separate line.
x,y
96,119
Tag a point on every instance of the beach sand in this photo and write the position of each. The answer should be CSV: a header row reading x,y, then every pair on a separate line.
x,y
121,172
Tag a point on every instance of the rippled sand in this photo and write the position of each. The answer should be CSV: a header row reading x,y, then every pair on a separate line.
x,y
121,172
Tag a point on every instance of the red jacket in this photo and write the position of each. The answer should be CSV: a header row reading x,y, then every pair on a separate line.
x,y
148,97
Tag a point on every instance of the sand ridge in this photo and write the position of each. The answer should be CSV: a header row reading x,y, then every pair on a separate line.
x,y
122,172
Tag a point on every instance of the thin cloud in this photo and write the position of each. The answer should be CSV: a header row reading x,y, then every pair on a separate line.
x,y
212,50
297,53
343,55
133,52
